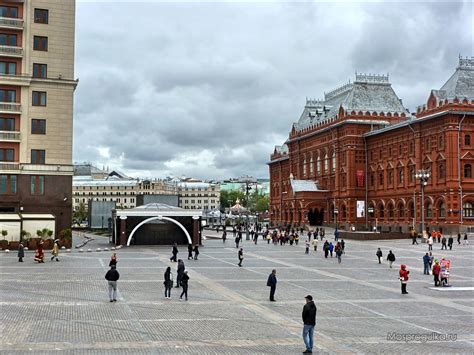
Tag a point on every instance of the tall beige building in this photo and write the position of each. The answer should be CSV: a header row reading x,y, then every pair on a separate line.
x,y
36,107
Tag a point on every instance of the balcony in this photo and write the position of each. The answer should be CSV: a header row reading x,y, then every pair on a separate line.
x,y
9,136
11,51
9,22
10,107
9,165
58,169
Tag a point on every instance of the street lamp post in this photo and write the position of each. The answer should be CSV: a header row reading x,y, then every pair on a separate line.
x,y
423,176
336,214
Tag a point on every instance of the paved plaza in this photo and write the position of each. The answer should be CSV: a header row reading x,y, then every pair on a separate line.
x,y
63,306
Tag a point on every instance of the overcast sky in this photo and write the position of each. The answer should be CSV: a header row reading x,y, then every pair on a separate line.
x,y
207,89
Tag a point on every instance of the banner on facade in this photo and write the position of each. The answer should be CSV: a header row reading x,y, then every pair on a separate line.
x,y
360,178
360,209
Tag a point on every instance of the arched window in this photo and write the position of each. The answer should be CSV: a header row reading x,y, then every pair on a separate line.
x,y
372,179
429,210
381,211
467,210
442,210
304,167
467,139
318,166
344,211
412,209
391,212
467,171
441,171
401,211
401,176
311,167
326,163
441,142
381,179
333,168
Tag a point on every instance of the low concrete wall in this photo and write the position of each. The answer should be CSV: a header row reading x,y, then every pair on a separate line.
x,y
373,236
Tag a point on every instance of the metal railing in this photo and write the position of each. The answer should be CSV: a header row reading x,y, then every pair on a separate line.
x,y
11,22
10,106
7,165
11,50
10,135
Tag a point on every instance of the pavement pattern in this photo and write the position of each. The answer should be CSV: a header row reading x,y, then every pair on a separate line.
x,y
63,307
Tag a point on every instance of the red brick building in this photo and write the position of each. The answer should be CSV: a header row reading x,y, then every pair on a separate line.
x,y
352,159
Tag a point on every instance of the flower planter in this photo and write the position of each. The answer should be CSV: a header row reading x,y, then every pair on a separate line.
x,y
4,244
14,245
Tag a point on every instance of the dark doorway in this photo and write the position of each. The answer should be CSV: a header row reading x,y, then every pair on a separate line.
x,y
316,216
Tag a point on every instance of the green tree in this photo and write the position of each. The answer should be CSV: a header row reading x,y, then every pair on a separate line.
x,y
228,198
80,214
262,204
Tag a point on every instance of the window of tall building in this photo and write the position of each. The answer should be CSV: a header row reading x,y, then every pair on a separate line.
x,y
412,148
429,210
441,142
381,180
326,163
441,171
40,70
311,167
442,209
40,43
467,139
39,98
467,210
7,154
8,184
411,174
7,95
333,160
41,16
8,39
401,211
390,176
304,167
38,126
7,124
37,156
401,176
9,11
318,166
8,68
467,171
37,185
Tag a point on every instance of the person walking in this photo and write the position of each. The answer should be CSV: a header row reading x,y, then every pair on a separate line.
x,y
224,235
339,254
443,243
466,242
113,260
309,322
306,244
431,259
326,249
426,264
196,252
413,237
184,285
436,272
55,251
190,251
404,278
379,255
343,245
390,258
21,252
241,256
459,238
112,277
234,231
438,235
331,248
450,242
336,234
175,253
272,283
315,244
168,282
237,241
179,273
430,243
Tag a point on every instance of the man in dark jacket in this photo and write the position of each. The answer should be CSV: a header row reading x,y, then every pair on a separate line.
x,y
272,283
174,252
450,242
21,252
179,272
184,284
241,256
426,264
309,321
112,276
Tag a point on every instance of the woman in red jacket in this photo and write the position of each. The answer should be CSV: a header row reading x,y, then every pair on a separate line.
x,y
404,278
436,271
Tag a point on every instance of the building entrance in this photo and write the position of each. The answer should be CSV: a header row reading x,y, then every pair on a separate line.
x,y
316,216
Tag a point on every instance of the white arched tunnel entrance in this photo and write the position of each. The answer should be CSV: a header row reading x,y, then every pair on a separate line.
x,y
159,218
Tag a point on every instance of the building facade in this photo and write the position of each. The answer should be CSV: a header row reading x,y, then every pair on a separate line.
x,y
353,159
196,195
36,107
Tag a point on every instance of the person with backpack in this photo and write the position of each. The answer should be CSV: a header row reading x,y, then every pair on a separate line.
x,y
390,258
326,249
339,254
331,248
309,321
179,272
436,272
112,277
184,285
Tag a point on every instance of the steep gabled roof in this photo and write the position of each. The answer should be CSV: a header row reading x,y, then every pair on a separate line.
x,y
460,84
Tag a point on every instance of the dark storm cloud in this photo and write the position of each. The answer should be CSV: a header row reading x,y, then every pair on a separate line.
x,y
208,89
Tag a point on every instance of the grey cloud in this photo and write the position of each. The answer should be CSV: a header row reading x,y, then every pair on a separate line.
x,y
164,84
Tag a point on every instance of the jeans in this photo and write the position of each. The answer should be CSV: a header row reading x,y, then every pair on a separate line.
x,y
308,331
185,290
426,271
112,290
272,292
167,291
